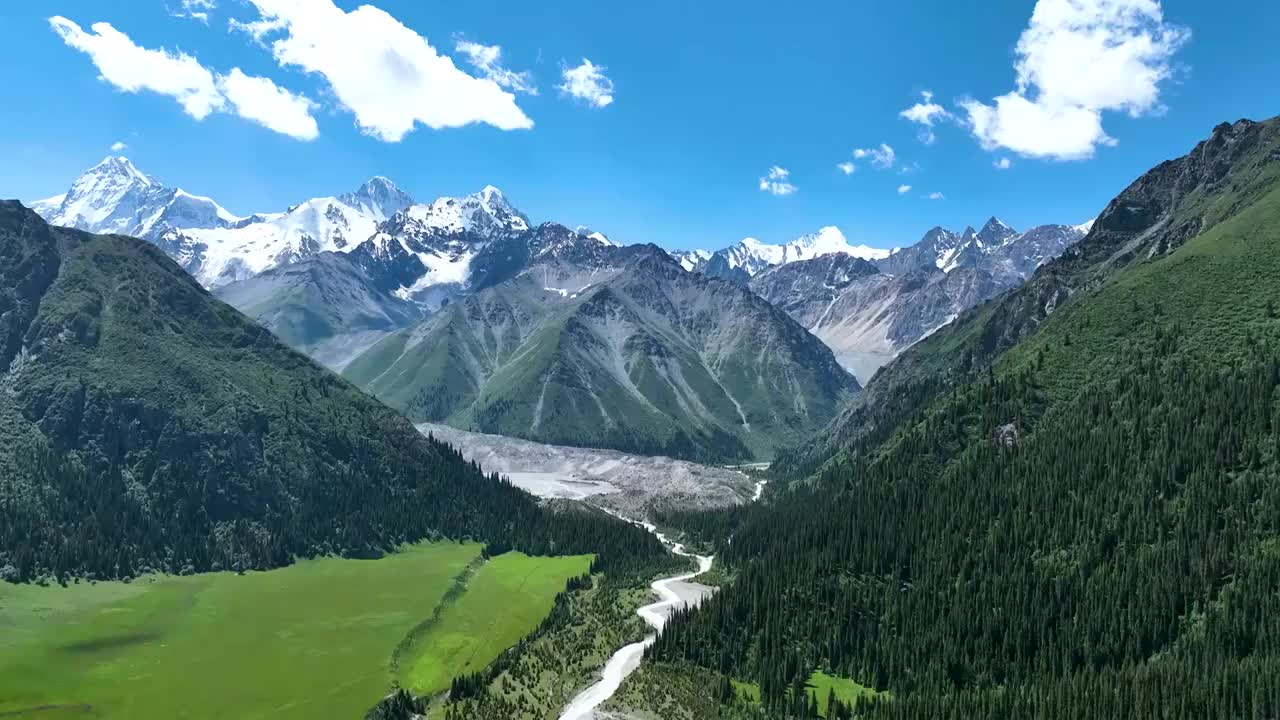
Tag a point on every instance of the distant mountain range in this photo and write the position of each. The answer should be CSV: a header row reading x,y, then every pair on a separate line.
x,y
372,283
868,305
747,258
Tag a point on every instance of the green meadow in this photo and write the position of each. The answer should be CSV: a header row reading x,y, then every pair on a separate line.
x,y
505,600
312,640
821,685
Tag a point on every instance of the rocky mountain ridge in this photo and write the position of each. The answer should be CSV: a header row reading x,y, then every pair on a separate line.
x,y
597,345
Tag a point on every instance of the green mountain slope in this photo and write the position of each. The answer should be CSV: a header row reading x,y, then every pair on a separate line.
x,y
146,425
325,305
638,355
1085,525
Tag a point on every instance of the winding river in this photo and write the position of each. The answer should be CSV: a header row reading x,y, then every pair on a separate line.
x,y
625,661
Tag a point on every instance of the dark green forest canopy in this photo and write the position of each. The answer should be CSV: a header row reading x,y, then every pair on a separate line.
x,y
144,425
1072,513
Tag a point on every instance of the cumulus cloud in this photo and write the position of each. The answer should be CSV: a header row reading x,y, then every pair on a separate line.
x,y
847,167
194,9
1002,163
258,99
925,113
775,182
587,82
882,157
904,189
133,69
383,72
1076,60
118,146
199,90
936,196
487,59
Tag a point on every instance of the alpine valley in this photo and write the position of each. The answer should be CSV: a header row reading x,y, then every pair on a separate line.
x,y
1057,485
913,364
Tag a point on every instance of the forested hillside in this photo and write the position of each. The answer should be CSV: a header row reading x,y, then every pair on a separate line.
x,y
146,425
1072,506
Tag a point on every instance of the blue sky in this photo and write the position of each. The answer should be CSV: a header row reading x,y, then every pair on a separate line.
x,y
706,97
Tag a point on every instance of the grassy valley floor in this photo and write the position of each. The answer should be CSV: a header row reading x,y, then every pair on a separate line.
x,y
312,640
506,599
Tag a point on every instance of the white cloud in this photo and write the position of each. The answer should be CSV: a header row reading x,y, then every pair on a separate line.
x,y
775,181
118,146
488,60
386,74
195,9
882,157
937,196
847,167
198,89
133,68
1002,163
925,114
904,189
1076,60
587,82
258,99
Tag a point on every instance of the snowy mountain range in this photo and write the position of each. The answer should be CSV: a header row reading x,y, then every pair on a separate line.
x,y
218,247
996,247
747,258
868,312
334,274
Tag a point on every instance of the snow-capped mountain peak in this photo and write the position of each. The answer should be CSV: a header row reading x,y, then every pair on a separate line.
x,y
119,166
995,233
486,213
595,235
827,241
691,260
114,196
378,198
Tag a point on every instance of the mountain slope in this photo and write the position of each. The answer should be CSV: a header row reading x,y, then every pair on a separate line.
x,y
1162,209
1172,203
1085,506
325,306
595,345
146,425
867,313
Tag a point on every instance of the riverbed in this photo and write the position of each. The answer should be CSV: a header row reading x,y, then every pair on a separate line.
x,y
673,592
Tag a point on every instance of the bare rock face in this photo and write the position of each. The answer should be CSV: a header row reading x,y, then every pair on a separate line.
x,y
869,312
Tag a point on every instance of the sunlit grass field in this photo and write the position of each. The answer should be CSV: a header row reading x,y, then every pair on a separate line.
x,y
505,600
312,640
